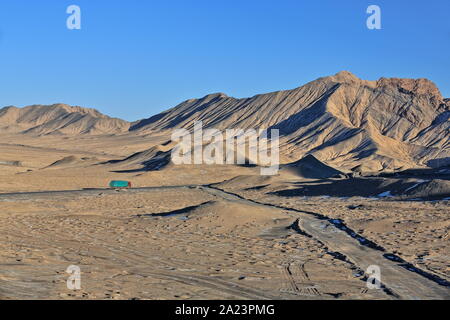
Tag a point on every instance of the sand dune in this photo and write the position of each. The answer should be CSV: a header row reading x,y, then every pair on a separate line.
x,y
73,161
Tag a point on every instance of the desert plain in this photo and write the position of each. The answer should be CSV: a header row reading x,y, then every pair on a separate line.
x,y
225,231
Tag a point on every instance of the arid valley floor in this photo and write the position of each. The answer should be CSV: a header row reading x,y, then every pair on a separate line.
x,y
208,232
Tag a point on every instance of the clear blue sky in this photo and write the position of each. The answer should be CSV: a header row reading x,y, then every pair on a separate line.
x,y
134,58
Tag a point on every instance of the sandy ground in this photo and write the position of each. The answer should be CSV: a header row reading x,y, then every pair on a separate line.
x,y
416,231
127,248
195,243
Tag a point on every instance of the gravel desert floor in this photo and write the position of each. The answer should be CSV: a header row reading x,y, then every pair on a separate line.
x,y
207,232
170,243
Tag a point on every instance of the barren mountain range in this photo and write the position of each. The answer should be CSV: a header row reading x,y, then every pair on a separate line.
x,y
364,181
58,119
346,122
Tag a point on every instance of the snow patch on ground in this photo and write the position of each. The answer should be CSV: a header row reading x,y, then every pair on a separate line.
x,y
419,182
385,194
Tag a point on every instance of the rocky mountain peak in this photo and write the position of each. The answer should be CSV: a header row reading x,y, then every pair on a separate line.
x,y
413,86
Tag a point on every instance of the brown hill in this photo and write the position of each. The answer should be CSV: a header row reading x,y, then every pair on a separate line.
x,y
58,119
311,168
155,158
342,120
